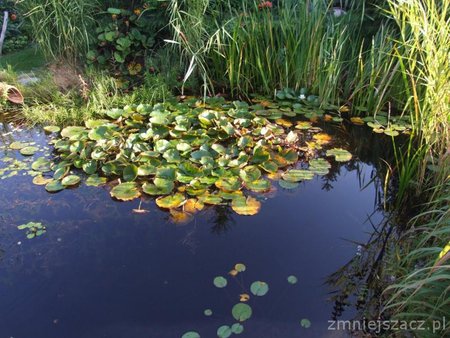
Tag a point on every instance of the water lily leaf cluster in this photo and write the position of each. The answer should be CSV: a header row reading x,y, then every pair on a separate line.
x,y
33,229
214,153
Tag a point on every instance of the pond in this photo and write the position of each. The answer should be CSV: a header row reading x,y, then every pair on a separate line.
x,y
105,268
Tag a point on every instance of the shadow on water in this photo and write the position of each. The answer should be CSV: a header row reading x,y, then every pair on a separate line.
x,y
101,270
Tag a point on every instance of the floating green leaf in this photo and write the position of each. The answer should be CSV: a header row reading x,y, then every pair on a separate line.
x,y
340,155
241,312
41,164
305,323
259,288
237,328
208,312
52,129
130,173
125,191
220,282
297,175
18,145
292,280
54,186
95,181
70,180
191,334
29,151
224,331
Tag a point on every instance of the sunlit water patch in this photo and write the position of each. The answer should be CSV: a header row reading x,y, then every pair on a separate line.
x,y
104,268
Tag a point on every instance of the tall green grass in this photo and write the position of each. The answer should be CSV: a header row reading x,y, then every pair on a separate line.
x,y
62,28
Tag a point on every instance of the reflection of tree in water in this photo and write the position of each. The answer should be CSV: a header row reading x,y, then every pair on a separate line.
x,y
222,219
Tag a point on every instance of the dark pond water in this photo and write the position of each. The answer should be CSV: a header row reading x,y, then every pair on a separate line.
x,y
101,270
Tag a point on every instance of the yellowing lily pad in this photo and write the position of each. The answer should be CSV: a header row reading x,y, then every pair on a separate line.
x,y
171,201
246,206
297,175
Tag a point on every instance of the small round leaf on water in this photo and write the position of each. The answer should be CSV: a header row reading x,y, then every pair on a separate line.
x,y
237,328
239,267
306,323
40,180
220,282
241,312
52,129
208,312
340,155
29,151
191,334
292,279
259,288
224,331
18,145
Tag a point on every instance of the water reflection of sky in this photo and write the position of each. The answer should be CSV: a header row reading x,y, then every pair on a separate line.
x,y
103,271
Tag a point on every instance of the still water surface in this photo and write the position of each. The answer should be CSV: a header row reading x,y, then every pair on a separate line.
x,y
101,270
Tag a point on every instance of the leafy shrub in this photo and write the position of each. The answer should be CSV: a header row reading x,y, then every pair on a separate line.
x,y
16,38
124,38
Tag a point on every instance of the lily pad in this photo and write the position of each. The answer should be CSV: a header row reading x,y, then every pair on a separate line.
x,y
41,180
306,323
125,191
191,334
70,180
220,282
170,202
18,145
95,181
241,312
292,279
260,186
259,288
41,164
237,328
29,151
340,155
288,185
224,331
246,206
240,267
297,175
54,186
130,173
52,129
208,312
